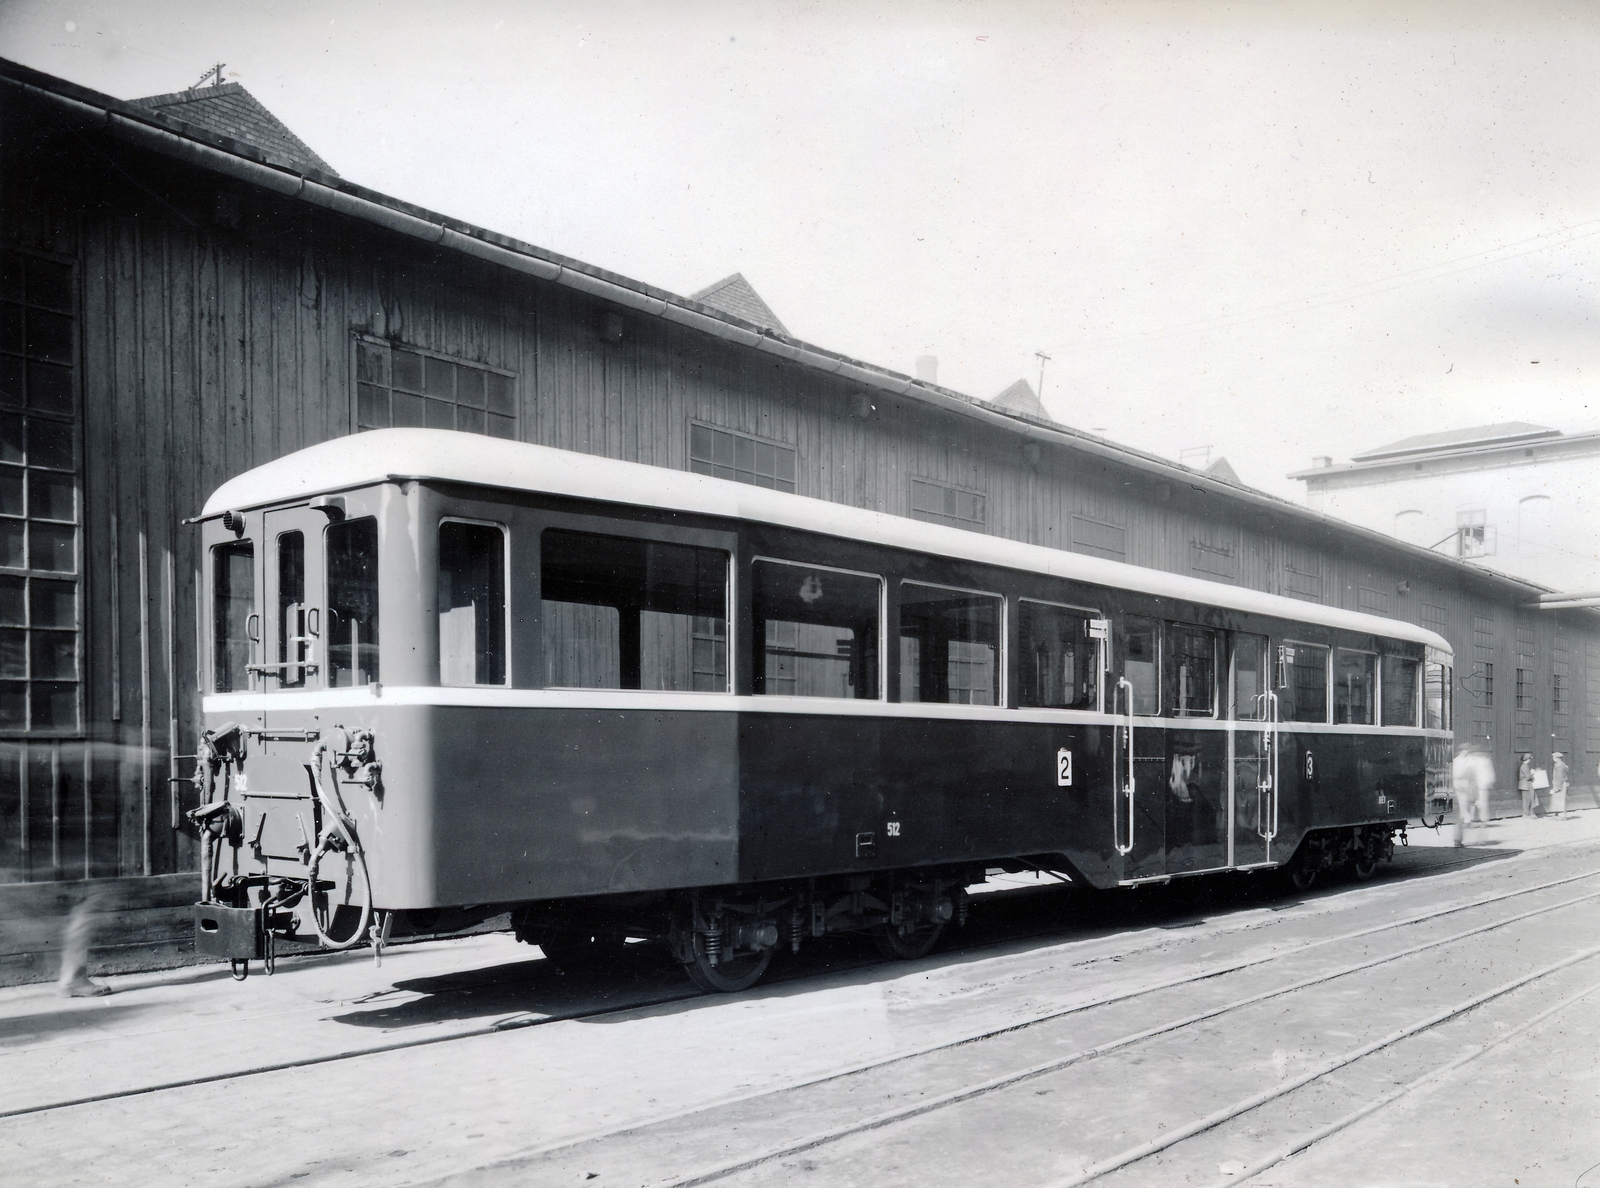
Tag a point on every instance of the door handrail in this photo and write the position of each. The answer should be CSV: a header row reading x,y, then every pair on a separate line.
x,y
1126,784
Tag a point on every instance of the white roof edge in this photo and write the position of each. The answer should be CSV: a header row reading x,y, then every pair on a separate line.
x,y
392,455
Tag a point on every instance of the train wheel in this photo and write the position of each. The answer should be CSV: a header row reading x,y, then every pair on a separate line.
x,y
1364,865
1302,870
585,952
732,972
908,946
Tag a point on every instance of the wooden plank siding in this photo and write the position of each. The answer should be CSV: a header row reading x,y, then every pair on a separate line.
x,y
217,331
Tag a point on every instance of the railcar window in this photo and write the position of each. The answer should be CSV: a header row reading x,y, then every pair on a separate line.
x,y
291,609
1399,691
1304,697
1437,710
949,645
815,631
1191,671
1057,661
233,585
472,604
620,613
1355,687
1141,662
1249,677
353,602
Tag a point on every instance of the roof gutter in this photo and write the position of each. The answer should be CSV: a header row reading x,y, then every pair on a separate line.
x,y
294,185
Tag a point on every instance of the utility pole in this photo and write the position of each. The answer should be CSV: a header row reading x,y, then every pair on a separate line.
x,y
1043,359
214,71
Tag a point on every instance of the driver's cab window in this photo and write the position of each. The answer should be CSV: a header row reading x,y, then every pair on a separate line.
x,y
1139,650
352,629
1249,675
234,623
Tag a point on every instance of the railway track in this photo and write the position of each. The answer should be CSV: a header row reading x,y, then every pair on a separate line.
x,y
933,1103
521,1021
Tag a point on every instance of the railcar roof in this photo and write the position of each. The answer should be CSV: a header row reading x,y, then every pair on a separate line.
x,y
394,455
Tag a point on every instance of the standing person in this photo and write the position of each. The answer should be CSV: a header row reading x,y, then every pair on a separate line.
x,y
1525,783
1464,781
1558,783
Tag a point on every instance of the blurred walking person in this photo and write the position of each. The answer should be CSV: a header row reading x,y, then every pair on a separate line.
x,y
1525,784
1472,775
75,981
1558,784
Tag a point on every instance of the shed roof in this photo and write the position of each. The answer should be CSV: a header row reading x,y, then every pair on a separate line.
x,y
234,112
1504,433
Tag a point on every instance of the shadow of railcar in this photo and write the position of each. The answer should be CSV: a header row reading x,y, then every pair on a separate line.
x,y
1011,920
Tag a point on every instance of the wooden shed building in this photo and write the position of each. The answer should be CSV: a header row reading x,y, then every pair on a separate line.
x,y
187,291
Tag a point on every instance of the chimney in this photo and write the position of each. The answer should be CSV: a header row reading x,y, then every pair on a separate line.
x,y
1322,461
928,368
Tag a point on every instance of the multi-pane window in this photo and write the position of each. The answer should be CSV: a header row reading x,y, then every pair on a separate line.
x,y
742,458
621,613
40,661
949,645
938,503
400,386
1474,534
815,630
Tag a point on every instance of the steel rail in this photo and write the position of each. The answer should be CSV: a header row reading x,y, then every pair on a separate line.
x,y
956,1097
1244,1106
927,1105
1313,1137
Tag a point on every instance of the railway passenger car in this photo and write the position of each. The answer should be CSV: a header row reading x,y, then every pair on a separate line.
x,y
449,675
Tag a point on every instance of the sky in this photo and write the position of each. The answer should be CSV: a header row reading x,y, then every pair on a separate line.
x,y
1277,230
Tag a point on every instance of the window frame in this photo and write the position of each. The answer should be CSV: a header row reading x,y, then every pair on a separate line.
x,y
1002,639
1102,653
509,681
360,339
1375,707
1419,711
1327,680
736,434
1217,695
1118,628
883,626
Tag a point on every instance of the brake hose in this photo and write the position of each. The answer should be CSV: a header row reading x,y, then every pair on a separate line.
x,y
337,825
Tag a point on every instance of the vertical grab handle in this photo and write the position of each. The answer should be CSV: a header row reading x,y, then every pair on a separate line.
x,y
1268,820
1123,780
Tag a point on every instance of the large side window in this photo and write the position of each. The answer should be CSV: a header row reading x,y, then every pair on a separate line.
x,y
1355,687
949,645
1139,645
1303,683
233,593
620,613
353,602
472,604
1057,660
815,630
1191,671
1399,691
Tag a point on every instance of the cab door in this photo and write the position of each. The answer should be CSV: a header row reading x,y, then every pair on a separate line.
x,y
293,656
1253,736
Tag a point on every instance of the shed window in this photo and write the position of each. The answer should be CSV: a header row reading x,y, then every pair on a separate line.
x,y
1355,680
1191,671
472,604
620,613
1399,691
1058,662
405,386
353,602
949,645
233,594
815,631
742,458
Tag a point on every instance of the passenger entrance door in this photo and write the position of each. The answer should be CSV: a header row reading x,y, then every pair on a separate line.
x,y
1140,751
1254,712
